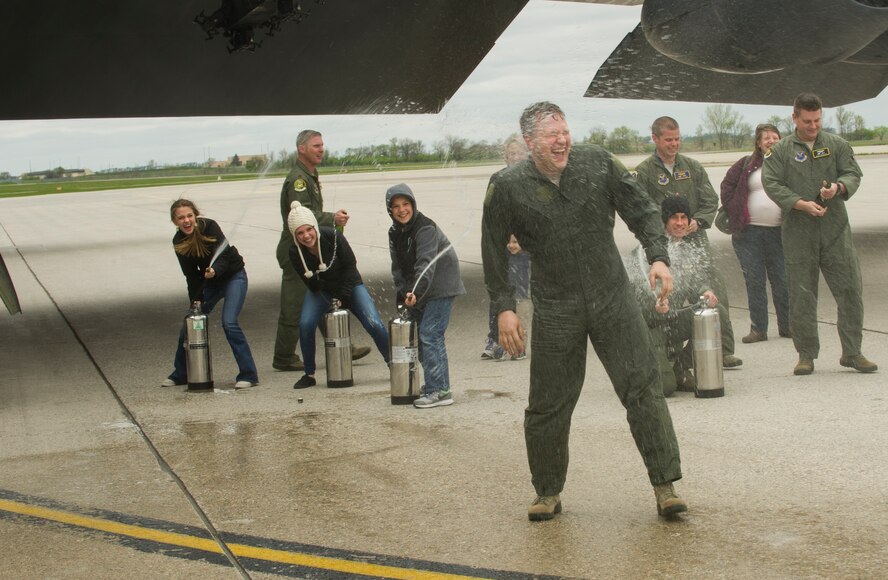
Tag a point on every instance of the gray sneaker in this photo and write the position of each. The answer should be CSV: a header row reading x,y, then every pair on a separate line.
x,y
436,399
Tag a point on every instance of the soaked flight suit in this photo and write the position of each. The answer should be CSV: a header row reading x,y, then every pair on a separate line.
x,y
580,292
304,187
690,181
811,244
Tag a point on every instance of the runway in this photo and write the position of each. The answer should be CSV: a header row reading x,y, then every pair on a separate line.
x,y
105,474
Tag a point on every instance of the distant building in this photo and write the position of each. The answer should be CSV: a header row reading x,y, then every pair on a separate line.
x,y
56,174
239,161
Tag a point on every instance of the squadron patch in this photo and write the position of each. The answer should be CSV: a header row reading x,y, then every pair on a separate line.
x,y
768,153
801,156
489,194
663,179
299,184
818,153
680,174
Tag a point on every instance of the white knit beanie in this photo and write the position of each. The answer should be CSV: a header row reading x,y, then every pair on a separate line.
x,y
300,216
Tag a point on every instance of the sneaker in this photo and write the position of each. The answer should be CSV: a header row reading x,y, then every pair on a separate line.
x,y
755,336
668,503
244,384
489,347
805,366
544,507
859,363
169,383
360,352
297,366
520,356
305,382
730,361
436,399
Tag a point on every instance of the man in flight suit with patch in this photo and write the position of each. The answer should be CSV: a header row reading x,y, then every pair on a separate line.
x,y
811,175
560,205
668,173
303,185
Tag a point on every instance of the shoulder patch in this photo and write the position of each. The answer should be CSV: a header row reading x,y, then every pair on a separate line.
x,y
768,152
299,184
489,194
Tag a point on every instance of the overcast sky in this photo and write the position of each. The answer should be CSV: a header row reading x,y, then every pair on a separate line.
x,y
550,52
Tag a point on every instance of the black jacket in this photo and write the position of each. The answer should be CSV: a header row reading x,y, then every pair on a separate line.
x,y
227,264
341,275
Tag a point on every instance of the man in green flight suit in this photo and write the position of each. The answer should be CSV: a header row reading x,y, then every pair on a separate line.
x,y
668,173
303,185
560,205
811,175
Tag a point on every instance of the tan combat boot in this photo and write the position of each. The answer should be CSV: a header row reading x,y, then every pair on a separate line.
x,y
544,507
859,363
668,504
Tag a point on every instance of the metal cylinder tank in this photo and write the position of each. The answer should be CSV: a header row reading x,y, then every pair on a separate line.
x,y
403,354
197,350
708,353
337,347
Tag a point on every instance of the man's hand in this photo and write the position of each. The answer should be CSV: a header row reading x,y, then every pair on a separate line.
x,y
340,218
809,207
711,299
660,271
693,226
511,333
410,300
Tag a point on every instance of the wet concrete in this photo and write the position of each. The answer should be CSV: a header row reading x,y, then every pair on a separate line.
x,y
785,475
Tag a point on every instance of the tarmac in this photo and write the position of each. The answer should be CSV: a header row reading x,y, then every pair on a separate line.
x,y
105,474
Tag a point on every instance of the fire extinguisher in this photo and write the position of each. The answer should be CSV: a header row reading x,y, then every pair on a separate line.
x,y
337,346
708,352
197,350
403,354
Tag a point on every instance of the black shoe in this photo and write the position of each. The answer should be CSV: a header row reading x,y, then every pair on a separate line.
x,y
360,352
305,382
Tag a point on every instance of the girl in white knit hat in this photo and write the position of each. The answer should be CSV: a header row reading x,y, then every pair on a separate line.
x,y
324,260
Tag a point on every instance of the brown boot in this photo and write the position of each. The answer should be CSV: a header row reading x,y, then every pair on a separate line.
x,y
668,503
805,366
544,507
755,336
859,363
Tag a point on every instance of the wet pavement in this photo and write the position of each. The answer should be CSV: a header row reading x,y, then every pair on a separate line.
x,y
103,473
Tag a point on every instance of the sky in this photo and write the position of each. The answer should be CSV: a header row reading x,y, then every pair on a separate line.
x,y
551,51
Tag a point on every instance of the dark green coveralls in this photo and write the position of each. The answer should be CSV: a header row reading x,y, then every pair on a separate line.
x,y
690,181
580,292
812,244
304,187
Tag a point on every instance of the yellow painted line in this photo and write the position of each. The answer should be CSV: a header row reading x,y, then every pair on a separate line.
x,y
208,545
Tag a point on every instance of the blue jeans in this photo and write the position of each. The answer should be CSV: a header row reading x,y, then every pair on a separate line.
x,y
316,304
760,252
433,321
233,292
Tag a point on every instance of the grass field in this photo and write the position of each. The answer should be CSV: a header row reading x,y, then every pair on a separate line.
x,y
91,184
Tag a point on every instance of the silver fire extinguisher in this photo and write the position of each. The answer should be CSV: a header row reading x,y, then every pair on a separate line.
x,y
708,352
337,346
197,350
403,354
